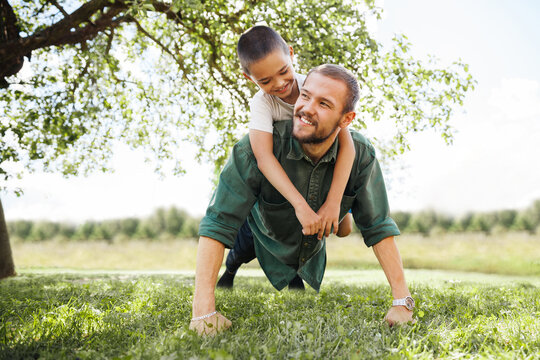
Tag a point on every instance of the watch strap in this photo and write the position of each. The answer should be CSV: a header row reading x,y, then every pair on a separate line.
x,y
407,301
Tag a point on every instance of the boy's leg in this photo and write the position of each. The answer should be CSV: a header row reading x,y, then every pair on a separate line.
x,y
242,252
296,283
345,226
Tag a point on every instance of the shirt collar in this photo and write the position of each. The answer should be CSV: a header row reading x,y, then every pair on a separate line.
x,y
296,152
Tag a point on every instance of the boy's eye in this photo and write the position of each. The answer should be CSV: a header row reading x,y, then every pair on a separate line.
x,y
325,104
265,82
303,96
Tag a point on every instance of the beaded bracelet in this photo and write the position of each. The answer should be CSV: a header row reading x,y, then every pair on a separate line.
x,y
204,316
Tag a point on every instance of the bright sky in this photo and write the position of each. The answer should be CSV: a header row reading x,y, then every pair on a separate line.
x,y
493,163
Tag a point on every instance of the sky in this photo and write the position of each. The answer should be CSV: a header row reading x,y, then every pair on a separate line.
x,y
492,164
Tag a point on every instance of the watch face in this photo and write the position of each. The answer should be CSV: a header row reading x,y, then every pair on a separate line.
x,y
409,303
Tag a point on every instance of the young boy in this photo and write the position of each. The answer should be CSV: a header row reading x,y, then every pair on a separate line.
x,y
267,61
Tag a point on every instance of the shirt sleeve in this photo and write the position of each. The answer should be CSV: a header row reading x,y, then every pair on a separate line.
x,y
370,209
261,114
235,195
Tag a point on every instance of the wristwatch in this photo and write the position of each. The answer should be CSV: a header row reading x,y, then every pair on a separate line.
x,y
408,302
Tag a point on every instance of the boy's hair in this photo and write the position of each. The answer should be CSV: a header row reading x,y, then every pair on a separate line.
x,y
338,72
258,42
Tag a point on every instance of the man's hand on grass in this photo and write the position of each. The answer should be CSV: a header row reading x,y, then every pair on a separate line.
x,y
398,315
211,326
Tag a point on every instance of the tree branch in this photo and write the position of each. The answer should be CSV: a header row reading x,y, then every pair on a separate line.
x,y
59,7
63,29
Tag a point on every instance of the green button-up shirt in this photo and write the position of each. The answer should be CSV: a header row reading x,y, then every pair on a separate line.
x,y
281,248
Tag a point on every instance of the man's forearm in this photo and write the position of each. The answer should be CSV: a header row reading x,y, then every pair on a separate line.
x,y
388,255
209,259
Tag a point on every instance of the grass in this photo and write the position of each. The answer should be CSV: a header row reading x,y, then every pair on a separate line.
x,y
517,254
77,301
129,315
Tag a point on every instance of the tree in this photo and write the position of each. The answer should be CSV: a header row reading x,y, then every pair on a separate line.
x,y
482,222
153,74
422,222
174,221
7,267
20,229
401,218
505,218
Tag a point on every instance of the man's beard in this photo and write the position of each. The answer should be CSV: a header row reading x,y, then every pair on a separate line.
x,y
314,138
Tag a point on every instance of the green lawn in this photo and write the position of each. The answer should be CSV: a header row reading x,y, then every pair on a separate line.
x,y
132,315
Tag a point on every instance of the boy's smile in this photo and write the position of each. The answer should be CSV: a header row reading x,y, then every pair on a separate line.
x,y
275,75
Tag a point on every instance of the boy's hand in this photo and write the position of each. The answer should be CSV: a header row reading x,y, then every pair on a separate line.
x,y
211,326
309,220
329,214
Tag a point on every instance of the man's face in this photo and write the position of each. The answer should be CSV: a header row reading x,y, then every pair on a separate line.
x,y
274,73
319,109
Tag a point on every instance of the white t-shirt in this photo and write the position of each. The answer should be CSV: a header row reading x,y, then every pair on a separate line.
x,y
265,109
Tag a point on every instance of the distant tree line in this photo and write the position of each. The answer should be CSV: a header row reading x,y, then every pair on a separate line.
x,y
493,222
176,223
162,224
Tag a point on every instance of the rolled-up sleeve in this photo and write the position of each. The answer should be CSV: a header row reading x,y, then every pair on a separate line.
x,y
370,209
235,195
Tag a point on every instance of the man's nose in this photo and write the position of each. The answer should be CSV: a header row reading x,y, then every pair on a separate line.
x,y
309,107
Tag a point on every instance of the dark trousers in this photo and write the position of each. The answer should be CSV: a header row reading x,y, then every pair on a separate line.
x,y
243,250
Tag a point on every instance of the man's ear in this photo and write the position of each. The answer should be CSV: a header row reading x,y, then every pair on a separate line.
x,y
346,119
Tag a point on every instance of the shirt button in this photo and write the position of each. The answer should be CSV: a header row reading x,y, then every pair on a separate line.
x,y
305,244
303,259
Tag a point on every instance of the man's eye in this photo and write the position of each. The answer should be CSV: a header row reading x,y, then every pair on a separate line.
x,y
325,105
304,96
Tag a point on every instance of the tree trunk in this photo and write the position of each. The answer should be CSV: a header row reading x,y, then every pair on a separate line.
x,y
7,267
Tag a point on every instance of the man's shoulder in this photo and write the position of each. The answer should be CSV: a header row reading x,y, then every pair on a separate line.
x,y
362,143
283,129
243,145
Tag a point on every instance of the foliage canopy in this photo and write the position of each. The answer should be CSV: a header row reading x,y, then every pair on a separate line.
x,y
153,74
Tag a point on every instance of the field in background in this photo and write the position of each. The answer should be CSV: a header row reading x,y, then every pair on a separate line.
x,y
512,253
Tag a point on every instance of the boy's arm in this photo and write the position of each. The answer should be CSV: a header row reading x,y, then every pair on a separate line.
x,y
329,211
262,146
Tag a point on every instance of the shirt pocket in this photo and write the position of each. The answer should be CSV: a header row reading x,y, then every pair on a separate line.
x,y
279,220
346,205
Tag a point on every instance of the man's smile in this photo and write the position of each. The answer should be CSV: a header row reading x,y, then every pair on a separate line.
x,y
304,119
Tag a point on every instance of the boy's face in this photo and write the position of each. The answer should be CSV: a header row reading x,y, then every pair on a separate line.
x,y
274,73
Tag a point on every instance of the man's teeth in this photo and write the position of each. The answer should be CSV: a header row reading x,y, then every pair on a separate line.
x,y
305,121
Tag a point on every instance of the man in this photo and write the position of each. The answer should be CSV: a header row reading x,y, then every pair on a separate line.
x,y
307,149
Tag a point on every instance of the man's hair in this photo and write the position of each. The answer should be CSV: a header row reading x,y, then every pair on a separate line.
x,y
337,72
258,42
